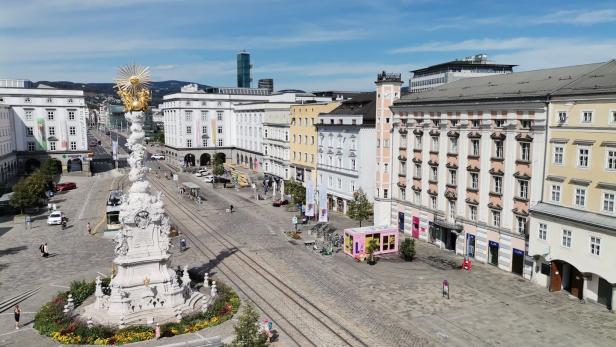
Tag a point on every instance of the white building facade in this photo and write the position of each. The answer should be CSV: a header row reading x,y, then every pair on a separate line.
x,y
48,122
347,151
8,160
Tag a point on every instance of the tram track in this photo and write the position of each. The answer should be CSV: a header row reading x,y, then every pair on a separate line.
x,y
310,325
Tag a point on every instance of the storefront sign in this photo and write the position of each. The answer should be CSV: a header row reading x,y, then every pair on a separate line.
x,y
494,244
518,252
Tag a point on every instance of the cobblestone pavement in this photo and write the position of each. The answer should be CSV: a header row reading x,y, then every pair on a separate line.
x,y
400,303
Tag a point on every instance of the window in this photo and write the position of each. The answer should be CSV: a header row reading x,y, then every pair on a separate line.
x,y
189,116
474,180
417,171
70,101
28,114
525,124
496,218
385,193
204,142
339,183
31,146
353,164
385,167
312,158
50,114
521,225
608,202
204,116
433,202
204,130
219,142
219,130
476,123
30,131
452,209
583,156
595,245
472,211
453,145
453,177
475,147
587,117
562,117
73,146
52,146
402,194
543,231
499,123
559,154
418,142
52,131
433,173
566,238
498,184
188,143
219,115
417,197
525,151
580,197
71,131
434,143
312,140
300,139
499,150
71,115
523,189
610,159
612,117
189,130
27,100
387,120
555,193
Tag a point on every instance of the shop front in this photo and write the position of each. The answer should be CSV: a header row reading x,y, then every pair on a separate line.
x,y
356,240
445,234
470,245
415,227
564,276
493,253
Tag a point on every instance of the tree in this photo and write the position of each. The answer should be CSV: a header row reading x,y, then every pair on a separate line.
x,y
218,170
372,247
407,249
296,190
49,167
360,208
24,195
247,330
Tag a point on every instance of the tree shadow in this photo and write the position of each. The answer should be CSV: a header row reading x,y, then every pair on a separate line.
x,y
197,273
12,250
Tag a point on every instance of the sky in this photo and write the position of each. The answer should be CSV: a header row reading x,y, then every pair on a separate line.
x,y
309,45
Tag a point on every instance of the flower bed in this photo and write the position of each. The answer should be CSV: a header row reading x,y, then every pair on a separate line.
x,y
51,320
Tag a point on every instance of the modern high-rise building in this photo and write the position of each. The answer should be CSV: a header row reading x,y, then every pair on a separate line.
x,y
243,70
267,83
439,74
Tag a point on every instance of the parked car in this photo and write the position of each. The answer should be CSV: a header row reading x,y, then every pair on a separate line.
x,y
279,203
60,187
55,218
209,179
157,157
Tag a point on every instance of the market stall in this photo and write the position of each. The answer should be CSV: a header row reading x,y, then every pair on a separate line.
x,y
356,240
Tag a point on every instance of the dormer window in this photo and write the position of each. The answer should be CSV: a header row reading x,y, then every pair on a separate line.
x,y
27,100
49,100
499,123
476,123
70,101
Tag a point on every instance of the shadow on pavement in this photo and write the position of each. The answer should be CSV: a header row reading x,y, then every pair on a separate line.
x,y
197,273
12,250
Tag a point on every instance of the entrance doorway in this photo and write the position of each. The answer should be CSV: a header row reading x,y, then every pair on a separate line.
x,y
74,165
605,293
470,245
205,159
189,159
493,253
517,262
401,222
448,238
415,227
566,276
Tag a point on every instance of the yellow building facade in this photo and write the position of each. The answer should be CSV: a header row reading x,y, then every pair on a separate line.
x,y
303,139
573,229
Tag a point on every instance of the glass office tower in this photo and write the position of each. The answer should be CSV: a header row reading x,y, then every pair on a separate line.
x,y
243,70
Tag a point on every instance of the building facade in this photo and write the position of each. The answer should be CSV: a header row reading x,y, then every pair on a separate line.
x,y
8,160
573,228
48,123
388,89
470,161
437,75
303,138
347,151
244,77
276,122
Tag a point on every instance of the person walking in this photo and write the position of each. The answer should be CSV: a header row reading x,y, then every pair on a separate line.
x,y
45,250
89,228
231,208
17,314
28,222
53,207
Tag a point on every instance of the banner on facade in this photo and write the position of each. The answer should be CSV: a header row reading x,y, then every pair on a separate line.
x,y
322,203
309,199
114,149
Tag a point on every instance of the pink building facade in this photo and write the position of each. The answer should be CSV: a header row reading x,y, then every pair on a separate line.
x,y
356,240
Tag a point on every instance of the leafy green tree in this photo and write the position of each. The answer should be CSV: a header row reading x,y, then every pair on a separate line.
x,y
159,137
219,158
49,167
407,249
296,190
372,247
218,169
24,196
360,208
247,330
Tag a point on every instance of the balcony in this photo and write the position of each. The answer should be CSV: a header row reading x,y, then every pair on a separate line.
x,y
402,157
403,131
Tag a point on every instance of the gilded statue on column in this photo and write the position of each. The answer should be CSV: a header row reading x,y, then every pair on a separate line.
x,y
132,86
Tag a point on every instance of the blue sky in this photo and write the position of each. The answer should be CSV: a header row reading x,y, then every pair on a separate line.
x,y
311,45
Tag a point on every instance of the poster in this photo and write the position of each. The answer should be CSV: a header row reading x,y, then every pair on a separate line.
x,y
322,203
309,199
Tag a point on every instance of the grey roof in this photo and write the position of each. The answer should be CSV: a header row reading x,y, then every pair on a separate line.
x,y
359,104
606,223
517,85
600,80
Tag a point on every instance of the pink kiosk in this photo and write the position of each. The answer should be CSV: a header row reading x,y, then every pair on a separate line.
x,y
356,240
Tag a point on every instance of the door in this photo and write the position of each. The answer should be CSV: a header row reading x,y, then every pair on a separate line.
x,y
401,222
555,277
493,253
415,227
470,245
577,283
605,293
517,262
356,248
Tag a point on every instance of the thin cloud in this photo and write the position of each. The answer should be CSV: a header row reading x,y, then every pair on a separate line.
x,y
474,44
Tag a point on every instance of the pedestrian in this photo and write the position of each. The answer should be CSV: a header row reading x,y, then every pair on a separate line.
x,y
49,207
53,207
231,208
89,228
17,314
28,222
45,250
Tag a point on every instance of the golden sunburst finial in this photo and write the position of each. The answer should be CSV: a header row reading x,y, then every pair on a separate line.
x,y
146,281
133,84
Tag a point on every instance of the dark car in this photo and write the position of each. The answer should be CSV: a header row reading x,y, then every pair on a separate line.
x,y
60,187
279,203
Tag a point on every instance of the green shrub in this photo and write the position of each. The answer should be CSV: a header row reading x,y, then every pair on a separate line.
x,y
81,290
407,249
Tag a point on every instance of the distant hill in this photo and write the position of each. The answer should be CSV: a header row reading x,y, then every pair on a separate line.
x,y
95,92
